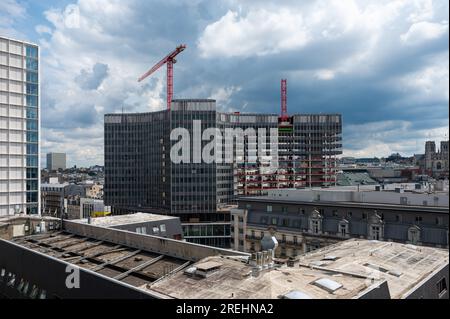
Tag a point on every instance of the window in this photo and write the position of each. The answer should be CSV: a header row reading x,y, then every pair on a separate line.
x,y
32,89
31,64
269,208
32,161
376,233
335,213
418,219
32,113
343,230
32,52
32,100
32,173
155,230
32,149
32,77
441,287
162,228
32,185
349,214
438,220
398,218
315,226
284,209
32,137
364,216
32,197
32,125
274,221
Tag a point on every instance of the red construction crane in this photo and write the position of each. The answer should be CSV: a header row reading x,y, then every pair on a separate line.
x,y
284,115
169,60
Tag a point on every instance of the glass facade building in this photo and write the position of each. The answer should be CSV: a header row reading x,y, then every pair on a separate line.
x,y
140,176
19,127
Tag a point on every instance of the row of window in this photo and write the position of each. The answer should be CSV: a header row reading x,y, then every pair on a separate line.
x,y
23,286
155,230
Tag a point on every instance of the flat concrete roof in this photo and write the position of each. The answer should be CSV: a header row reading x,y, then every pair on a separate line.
x,y
129,265
117,220
343,270
267,199
402,265
234,280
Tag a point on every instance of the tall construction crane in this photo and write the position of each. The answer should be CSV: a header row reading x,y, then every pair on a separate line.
x,y
169,60
284,115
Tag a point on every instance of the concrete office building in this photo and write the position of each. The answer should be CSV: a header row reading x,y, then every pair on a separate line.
x,y
305,220
141,223
19,127
140,176
116,263
56,161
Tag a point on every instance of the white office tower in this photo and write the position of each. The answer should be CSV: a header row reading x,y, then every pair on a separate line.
x,y
19,127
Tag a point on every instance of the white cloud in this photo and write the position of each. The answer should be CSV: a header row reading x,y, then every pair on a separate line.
x,y
337,55
222,95
325,74
387,137
260,32
10,12
424,31
81,39
431,81
43,29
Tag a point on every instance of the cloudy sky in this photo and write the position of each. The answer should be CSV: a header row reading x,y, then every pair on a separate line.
x,y
383,64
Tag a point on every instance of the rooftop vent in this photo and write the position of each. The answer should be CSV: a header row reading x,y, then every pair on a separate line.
x,y
327,284
296,294
395,273
207,268
330,258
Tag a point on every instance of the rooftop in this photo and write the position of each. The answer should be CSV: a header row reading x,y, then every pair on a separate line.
x,y
403,266
365,195
343,270
111,221
234,279
129,265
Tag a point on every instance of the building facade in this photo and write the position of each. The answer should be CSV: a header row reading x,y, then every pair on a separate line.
x,y
53,199
56,161
301,225
19,127
436,161
140,176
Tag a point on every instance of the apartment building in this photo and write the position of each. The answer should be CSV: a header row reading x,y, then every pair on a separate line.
x,y
19,127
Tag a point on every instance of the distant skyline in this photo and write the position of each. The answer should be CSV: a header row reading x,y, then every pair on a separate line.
x,y
383,64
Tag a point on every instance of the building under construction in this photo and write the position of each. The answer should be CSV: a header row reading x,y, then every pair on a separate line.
x,y
307,148
140,175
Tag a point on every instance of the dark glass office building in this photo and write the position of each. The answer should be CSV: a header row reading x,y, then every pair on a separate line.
x,y
140,175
